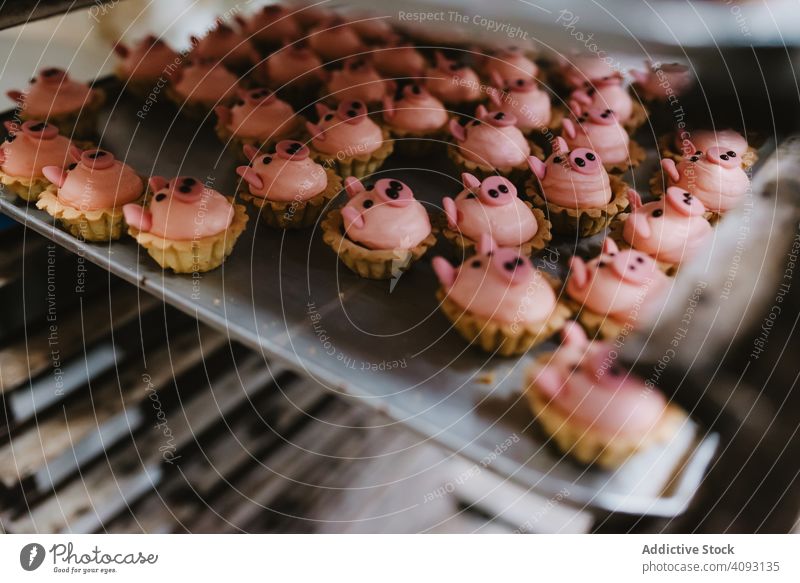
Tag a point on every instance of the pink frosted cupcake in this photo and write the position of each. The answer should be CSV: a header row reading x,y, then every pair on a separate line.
x,y
144,63
200,86
381,230
455,84
661,82
508,63
498,301
671,230
357,80
259,118
600,131
613,291
87,197
287,185
716,177
54,97
416,119
372,28
294,71
491,207
611,94
394,58
224,44
186,226
575,191
25,152
335,39
490,144
270,27
593,409
586,71
347,139
686,143
523,99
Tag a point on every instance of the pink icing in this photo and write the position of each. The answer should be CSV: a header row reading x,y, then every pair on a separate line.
x,y
222,43
37,144
573,179
259,114
498,284
284,175
523,99
660,82
492,139
346,130
453,82
599,130
97,182
206,82
334,39
584,71
416,110
491,207
510,63
715,177
272,24
584,382
670,230
384,216
605,95
181,210
295,64
620,284
398,60
52,92
371,28
704,140
147,59
358,80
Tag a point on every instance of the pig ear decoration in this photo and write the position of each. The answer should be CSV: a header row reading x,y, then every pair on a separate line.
x,y
497,80
250,176
670,169
573,335
121,50
223,113
577,271
538,167
451,212
352,218
494,97
156,183
561,145
470,181
549,381
457,130
388,107
634,198
353,186
54,174
486,244
481,111
250,151
14,95
609,246
569,128
316,131
75,152
445,272
321,109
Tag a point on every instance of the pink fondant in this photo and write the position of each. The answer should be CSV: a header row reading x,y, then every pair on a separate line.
x,y
394,59
663,81
416,110
295,64
573,179
358,80
259,114
147,59
610,94
284,175
32,147
600,131
509,63
715,177
345,131
523,99
584,71
453,82
688,143
492,139
334,39
52,92
224,44
206,82
272,24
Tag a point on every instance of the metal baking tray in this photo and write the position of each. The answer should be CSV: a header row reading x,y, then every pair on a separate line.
x,y
286,295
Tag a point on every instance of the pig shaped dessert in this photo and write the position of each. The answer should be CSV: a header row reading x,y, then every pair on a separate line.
x,y
224,44
489,143
670,230
271,26
186,226
716,177
200,86
54,97
87,196
498,300
26,150
370,28
586,71
347,138
294,66
610,94
396,58
452,82
615,288
594,409
287,179
662,81
358,80
576,191
491,207
600,131
524,100
335,39
258,117
414,111
509,63
381,230
143,63
686,143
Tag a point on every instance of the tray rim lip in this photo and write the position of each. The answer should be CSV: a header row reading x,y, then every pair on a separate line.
x,y
697,457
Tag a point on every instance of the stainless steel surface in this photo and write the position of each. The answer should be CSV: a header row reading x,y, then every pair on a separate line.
x,y
390,350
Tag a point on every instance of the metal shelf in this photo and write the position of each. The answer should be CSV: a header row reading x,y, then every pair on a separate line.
x,y
263,296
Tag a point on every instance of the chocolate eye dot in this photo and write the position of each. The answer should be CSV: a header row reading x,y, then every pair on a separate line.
x,y
189,181
39,126
640,260
591,157
520,82
416,90
352,113
510,265
395,185
493,193
698,153
185,189
519,261
693,159
98,154
499,115
723,156
368,203
731,153
72,166
393,194
557,159
370,187
471,195
160,196
580,162
604,115
355,105
615,371
601,264
503,188
328,117
11,137
657,213
476,263
266,159
687,195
